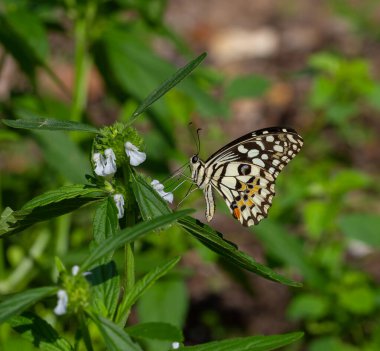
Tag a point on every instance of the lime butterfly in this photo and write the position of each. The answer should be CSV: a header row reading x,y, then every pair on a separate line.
x,y
244,172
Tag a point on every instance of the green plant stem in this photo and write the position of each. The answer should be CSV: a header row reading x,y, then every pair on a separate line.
x,y
129,258
85,332
24,269
129,268
81,70
82,28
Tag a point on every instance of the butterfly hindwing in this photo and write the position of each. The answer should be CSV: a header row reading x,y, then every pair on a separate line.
x,y
247,195
244,171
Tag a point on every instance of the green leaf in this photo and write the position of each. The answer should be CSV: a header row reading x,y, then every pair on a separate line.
x,y
287,248
105,283
127,75
130,69
322,92
105,220
204,103
129,235
18,303
46,206
339,112
140,287
49,124
151,204
247,86
168,84
166,301
318,217
155,330
105,223
358,300
66,192
374,97
251,343
325,61
7,135
215,242
59,150
7,219
363,227
39,332
30,28
346,181
308,306
63,155
333,343
115,337
23,35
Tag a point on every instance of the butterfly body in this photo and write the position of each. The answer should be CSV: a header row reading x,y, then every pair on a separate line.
x,y
244,172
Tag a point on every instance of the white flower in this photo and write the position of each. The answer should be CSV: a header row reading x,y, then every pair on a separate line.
x,y
75,270
136,157
175,345
157,185
119,201
63,300
160,189
99,163
105,166
110,164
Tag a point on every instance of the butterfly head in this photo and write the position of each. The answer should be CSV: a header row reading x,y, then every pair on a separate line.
x,y
194,159
197,167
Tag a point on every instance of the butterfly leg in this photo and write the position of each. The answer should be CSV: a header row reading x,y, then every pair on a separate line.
x,y
210,202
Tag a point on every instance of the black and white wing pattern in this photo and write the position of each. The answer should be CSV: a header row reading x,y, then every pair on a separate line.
x,y
244,171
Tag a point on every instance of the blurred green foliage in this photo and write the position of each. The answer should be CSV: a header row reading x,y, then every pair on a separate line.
x,y
325,211
342,91
339,305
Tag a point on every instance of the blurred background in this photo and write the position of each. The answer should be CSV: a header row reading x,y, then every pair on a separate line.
x,y
310,65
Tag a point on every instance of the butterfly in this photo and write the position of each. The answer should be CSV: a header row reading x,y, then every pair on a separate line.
x,y
244,172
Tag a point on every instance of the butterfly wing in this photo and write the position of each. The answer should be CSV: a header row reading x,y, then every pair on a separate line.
x,y
244,171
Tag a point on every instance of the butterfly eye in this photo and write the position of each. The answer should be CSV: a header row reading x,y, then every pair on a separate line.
x,y
194,159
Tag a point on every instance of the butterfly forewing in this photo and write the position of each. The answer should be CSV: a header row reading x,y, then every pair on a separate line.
x,y
244,171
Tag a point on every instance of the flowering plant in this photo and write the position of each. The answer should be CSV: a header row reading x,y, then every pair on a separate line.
x,y
128,207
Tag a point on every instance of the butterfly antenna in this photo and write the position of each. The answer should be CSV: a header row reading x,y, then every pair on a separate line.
x,y
196,139
199,141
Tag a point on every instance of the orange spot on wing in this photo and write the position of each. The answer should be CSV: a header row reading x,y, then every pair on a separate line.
x,y
236,213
